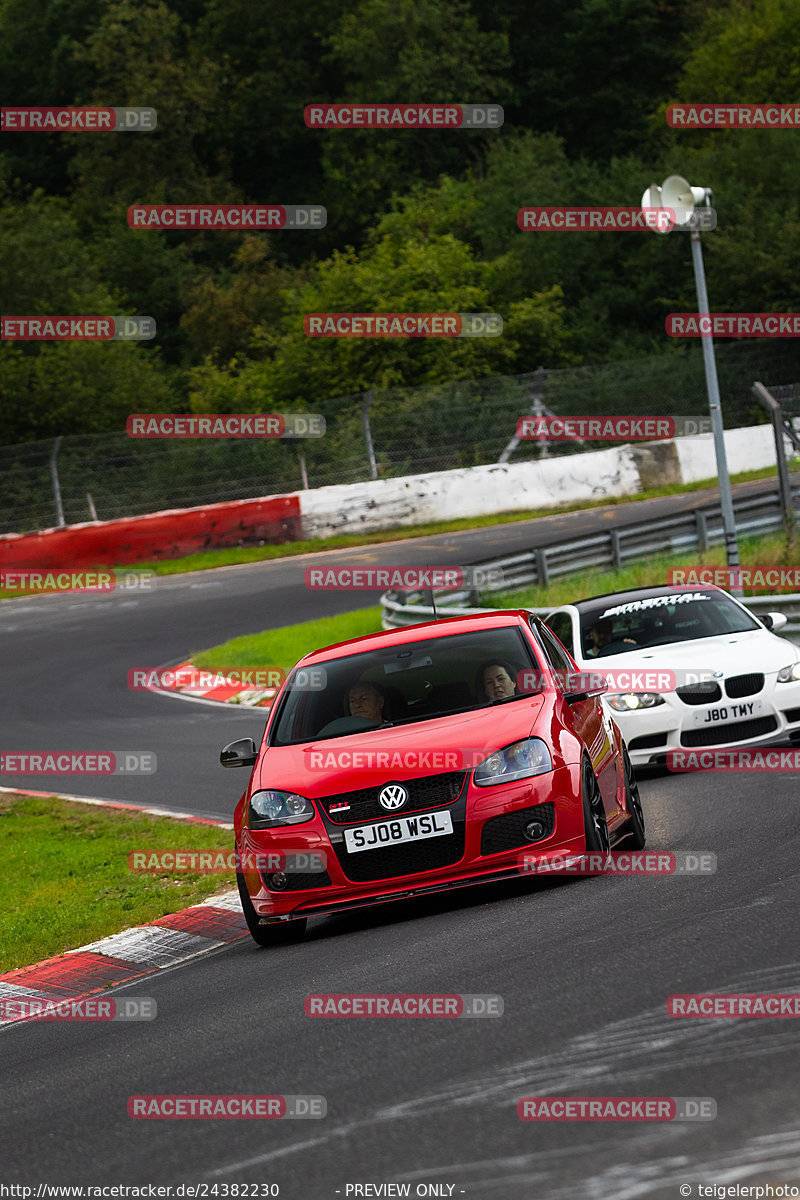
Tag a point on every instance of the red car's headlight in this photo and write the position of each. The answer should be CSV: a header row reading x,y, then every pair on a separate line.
x,y
520,760
269,808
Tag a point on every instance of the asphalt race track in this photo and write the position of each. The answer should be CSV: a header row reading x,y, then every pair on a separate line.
x,y
584,966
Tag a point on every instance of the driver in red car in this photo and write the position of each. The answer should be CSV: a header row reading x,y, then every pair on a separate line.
x,y
365,701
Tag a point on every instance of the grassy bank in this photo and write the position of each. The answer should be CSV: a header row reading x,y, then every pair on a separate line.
x,y
66,881
773,549
283,647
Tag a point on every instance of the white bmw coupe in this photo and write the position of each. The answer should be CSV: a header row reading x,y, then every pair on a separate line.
x,y
686,667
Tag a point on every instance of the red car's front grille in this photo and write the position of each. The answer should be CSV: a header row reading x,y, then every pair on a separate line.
x,y
407,858
431,791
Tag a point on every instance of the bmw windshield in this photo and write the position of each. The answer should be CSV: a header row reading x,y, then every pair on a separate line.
x,y
609,627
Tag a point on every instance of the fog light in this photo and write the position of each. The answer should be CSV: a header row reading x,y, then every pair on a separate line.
x,y
533,830
278,881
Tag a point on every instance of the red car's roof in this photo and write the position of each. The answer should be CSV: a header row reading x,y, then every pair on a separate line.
x,y
416,633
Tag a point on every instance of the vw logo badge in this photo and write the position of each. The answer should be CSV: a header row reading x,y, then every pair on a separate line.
x,y
394,795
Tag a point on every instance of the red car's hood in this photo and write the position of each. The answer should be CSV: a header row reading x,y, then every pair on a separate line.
x,y
331,765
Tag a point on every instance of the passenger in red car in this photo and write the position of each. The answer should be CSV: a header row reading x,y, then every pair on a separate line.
x,y
496,681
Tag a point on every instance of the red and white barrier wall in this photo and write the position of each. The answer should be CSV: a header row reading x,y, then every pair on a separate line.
x,y
389,503
156,536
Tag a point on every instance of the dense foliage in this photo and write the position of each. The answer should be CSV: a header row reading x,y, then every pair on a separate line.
x,y
416,221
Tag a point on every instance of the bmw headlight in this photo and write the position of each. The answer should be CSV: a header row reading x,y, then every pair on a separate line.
x,y
518,761
269,808
631,701
790,674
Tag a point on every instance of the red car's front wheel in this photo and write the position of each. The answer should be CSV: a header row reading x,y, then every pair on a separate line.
x,y
268,935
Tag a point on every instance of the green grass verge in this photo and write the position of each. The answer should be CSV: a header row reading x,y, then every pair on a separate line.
x,y
65,878
283,647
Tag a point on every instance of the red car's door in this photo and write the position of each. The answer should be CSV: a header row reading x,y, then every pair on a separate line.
x,y
588,721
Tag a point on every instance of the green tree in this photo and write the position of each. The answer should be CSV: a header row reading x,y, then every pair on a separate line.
x,y
405,51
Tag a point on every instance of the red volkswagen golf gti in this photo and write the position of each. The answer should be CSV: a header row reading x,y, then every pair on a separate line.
x,y
420,759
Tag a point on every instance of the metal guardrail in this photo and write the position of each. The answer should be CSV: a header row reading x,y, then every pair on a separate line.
x,y
395,615
612,549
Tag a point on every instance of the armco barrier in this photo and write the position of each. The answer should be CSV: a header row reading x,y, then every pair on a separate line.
x,y
396,614
156,536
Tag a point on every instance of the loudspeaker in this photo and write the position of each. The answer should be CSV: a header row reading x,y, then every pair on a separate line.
x,y
653,200
679,195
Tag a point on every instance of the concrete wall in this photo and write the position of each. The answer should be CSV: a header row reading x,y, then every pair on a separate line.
x,y
385,503
481,491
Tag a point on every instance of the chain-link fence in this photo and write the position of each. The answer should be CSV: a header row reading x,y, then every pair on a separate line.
x,y
378,434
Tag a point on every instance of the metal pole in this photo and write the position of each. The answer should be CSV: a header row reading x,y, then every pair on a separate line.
x,y
303,472
715,409
537,408
776,417
365,406
56,486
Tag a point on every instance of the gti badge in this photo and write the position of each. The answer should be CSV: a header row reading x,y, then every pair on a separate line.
x,y
394,795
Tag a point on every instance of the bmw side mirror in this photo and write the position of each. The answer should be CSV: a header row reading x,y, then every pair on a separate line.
x,y
242,753
774,620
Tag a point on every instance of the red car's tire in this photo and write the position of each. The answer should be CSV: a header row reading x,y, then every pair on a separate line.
x,y
594,813
268,935
635,835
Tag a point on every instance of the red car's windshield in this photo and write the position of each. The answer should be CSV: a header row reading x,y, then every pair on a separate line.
x,y
405,682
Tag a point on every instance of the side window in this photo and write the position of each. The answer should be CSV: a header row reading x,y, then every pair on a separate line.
x,y
554,652
561,665
561,625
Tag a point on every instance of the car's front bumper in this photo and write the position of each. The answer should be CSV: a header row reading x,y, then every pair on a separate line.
x,y
560,788
650,733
